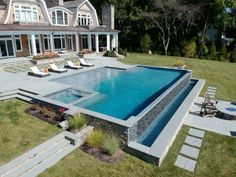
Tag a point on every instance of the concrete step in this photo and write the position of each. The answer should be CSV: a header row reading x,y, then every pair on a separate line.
x,y
39,158
7,97
30,154
8,93
24,98
52,160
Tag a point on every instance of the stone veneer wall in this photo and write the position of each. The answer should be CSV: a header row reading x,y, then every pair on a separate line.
x,y
108,16
138,128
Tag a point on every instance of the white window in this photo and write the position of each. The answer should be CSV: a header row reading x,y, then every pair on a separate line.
x,y
26,14
47,42
84,20
18,43
59,17
59,41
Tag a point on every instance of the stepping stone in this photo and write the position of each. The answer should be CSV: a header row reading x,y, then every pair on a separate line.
x,y
185,163
210,90
196,132
211,93
190,151
213,88
193,141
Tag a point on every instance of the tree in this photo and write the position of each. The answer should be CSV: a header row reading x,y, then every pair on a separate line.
x,y
202,49
189,49
232,58
168,16
145,43
223,53
212,51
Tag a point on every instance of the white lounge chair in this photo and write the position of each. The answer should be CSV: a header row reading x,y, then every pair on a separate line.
x,y
72,65
84,63
35,72
54,68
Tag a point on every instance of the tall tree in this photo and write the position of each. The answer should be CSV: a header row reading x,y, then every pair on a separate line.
x,y
168,16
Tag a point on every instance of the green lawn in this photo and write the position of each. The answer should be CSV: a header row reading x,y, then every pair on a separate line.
x,y
219,74
217,158
19,131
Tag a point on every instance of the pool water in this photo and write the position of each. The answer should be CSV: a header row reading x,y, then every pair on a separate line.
x,y
66,96
122,93
155,128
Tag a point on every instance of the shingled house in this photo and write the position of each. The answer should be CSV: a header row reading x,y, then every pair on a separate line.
x,y
31,27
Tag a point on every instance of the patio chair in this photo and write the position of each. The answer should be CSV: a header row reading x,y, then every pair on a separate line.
x,y
53,68
84,63
72,65
35,72
209,112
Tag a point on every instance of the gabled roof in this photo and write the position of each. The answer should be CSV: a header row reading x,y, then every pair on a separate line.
x,y
52,3
75,3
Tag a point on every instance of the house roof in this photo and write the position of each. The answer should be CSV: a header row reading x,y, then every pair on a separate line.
x,y
75,3
102,29
52,3
27,28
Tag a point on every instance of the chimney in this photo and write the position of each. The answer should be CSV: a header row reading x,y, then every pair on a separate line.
x,y
108,16
61,2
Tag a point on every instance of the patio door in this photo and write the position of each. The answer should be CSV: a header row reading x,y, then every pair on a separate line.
x,y
6,47
37,42
84,41
70,43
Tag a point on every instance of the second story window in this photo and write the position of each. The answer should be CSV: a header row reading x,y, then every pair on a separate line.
x,y
59,17
26,14
84,20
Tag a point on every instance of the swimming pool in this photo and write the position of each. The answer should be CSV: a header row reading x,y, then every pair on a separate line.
x,y
122,93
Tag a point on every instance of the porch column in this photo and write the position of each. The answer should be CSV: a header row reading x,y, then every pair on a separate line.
x,y
108,42
33,43
52,43
113,42
90,42
97,43
77,42
116,41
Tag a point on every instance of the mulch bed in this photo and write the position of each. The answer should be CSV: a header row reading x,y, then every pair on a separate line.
x,y
36,113
99,154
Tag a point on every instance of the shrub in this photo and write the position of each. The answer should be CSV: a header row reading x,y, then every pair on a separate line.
x,y
46,56
111,144
85,51
179,63
189,49
96,138
109,53
202,50
77,122
122,52
232,58
212,52
145,43
223,53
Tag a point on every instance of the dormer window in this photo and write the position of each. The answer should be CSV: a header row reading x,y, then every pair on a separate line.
x,y
26,14
84,20
59,17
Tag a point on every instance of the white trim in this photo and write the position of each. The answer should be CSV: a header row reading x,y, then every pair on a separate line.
x,y
14,37
70,37
13,47
31,10
29,42
63,17
48,37
60,8
46,11
9,11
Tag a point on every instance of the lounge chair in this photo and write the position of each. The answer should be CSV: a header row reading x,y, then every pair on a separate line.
x,y
72,65
84,63
54,68
35,72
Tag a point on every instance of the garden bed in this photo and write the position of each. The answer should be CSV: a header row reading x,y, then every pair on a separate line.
x,y
101,155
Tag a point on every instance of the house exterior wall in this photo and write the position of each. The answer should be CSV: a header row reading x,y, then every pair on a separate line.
x,y
25,47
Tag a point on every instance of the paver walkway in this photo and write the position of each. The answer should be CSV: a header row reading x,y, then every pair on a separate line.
x,y
189,154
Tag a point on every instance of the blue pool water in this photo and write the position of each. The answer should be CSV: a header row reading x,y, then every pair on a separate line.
x,y
152,132
122,93
66,96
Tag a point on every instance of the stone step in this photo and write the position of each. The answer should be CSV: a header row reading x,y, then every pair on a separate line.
x,y
8,93
24,98
30,154
35,160
7,97
52,160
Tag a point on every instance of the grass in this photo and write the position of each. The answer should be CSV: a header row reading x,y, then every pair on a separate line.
x,y
219,74
217,158
19,131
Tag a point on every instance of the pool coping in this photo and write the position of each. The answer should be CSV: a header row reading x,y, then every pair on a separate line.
x,y
159,149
